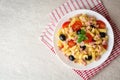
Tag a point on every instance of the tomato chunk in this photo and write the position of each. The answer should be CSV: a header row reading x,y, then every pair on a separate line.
x,y
65,25
71,43
89,38
77,26
105,46
101,24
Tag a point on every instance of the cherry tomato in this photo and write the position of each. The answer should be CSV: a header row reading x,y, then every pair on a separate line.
x,y
105,46
65,25
77,26
89,38
101,24
71,43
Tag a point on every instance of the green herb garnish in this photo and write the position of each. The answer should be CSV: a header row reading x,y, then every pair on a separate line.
x,y
81,36
82,31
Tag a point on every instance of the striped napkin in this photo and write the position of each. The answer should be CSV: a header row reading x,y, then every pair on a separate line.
x,y
71,5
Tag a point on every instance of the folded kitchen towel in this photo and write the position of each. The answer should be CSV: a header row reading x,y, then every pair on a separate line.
x,y
71,5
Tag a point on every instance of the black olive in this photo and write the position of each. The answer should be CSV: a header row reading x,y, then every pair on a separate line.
x,y
62,37
89,57
83,47
92,26
102,34
78,32
71,57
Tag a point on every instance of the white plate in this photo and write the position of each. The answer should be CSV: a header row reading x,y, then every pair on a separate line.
x,y
95,63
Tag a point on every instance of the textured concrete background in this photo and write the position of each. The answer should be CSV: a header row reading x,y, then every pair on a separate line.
x,y
23,56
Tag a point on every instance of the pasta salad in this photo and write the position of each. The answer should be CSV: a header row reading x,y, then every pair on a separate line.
x,y
83,39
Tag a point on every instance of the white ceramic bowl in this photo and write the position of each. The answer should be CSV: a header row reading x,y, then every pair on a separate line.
x,y
94,64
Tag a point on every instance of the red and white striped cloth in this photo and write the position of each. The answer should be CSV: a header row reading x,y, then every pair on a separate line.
x,y
71,5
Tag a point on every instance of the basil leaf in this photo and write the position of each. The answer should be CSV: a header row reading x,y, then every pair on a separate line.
x,y
80,40
82,31
82,36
